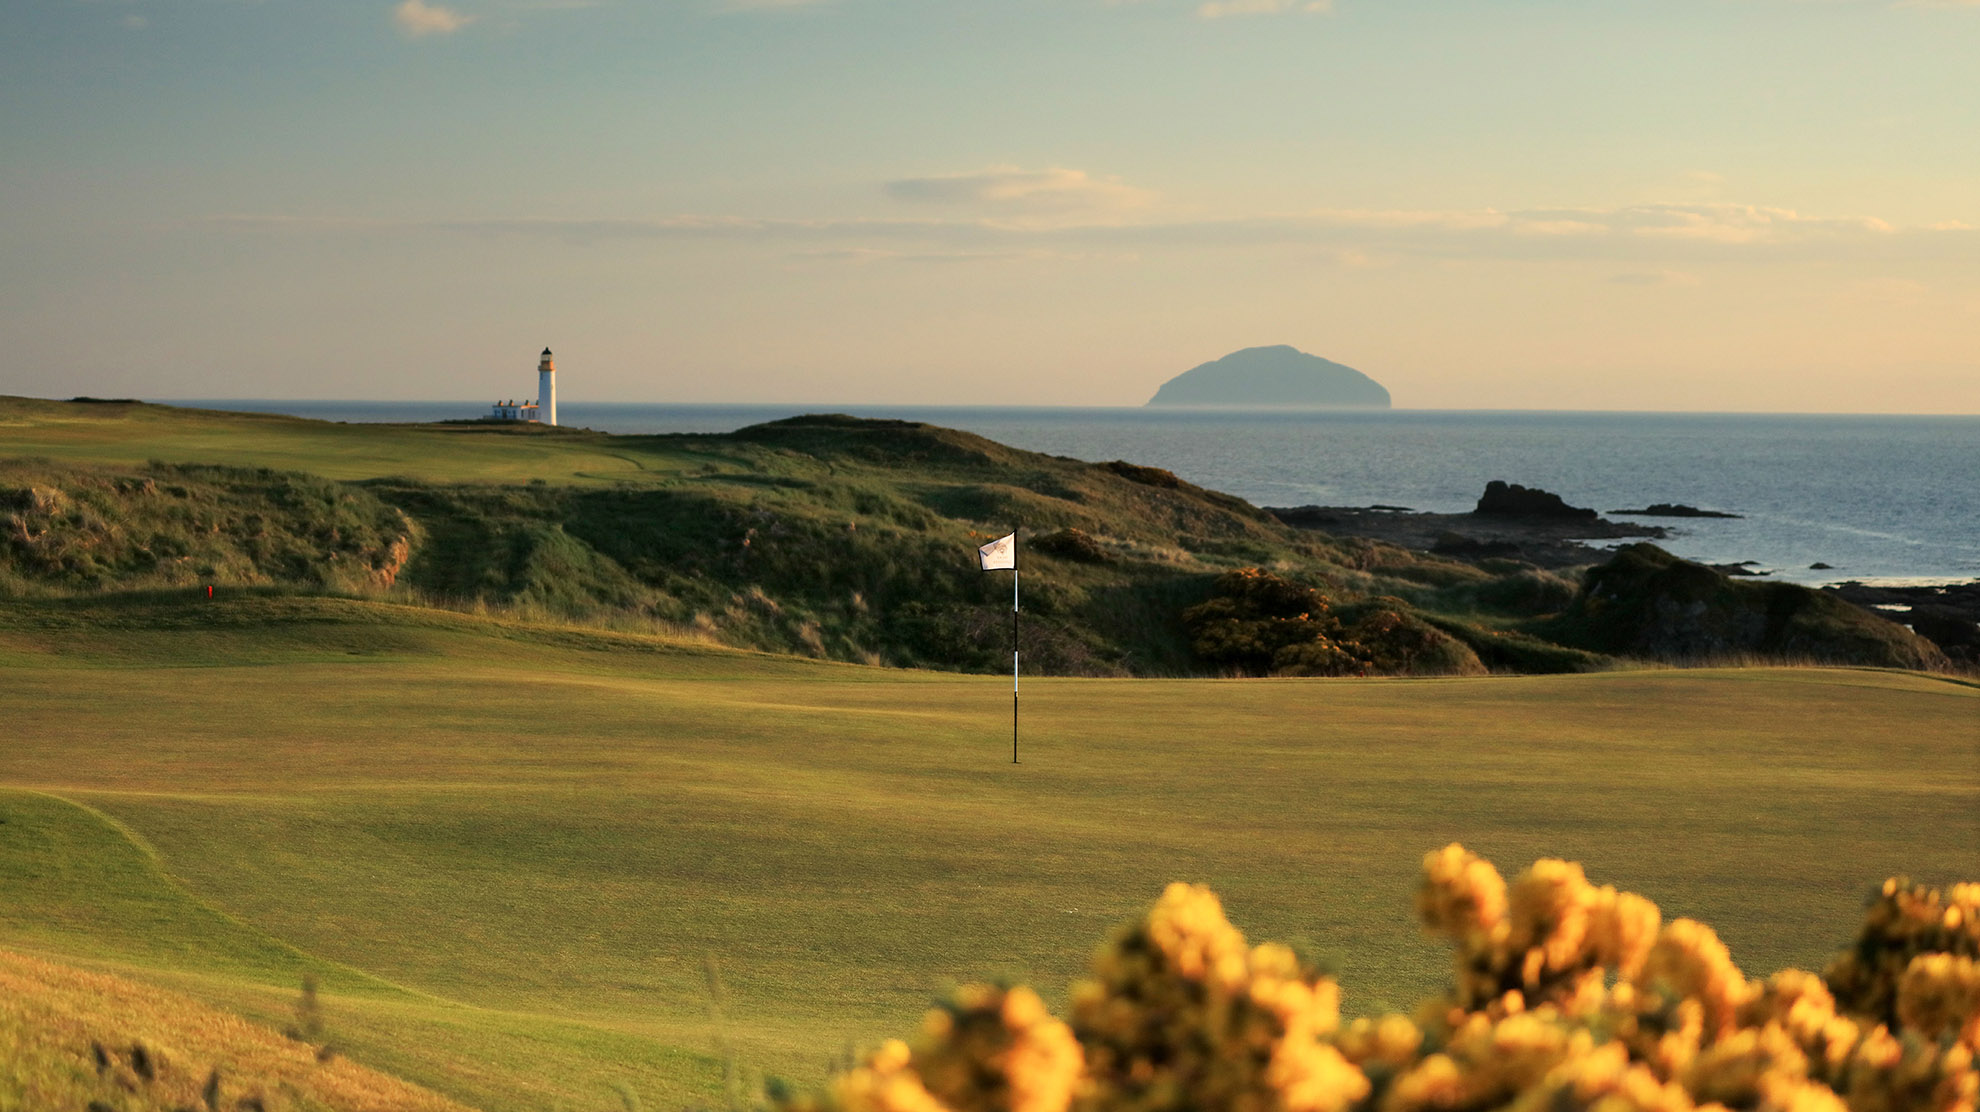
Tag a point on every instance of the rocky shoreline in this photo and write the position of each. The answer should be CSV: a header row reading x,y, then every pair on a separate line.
x,y
1531,526
1510,522
1545,542
1948,614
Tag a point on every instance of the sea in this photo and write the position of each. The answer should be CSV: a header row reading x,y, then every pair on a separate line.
x,y
1880,499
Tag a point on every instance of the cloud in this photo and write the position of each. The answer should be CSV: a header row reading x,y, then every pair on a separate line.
x,y
880,255
1637,238
1218,9
1558,227
417,19
1654,278
136,23
1011,190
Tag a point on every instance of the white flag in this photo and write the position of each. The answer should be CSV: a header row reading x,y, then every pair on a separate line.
x,y
1000,553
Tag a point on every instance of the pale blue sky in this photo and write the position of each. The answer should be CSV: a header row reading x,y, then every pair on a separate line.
x,y
1737,204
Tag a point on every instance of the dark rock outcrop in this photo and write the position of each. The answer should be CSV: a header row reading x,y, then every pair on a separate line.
x,y
1946,614
1471,548
1548,542
1503,499
1648,603
1673,509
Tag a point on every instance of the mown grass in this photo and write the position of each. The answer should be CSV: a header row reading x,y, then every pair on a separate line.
x,y
136,434
528,840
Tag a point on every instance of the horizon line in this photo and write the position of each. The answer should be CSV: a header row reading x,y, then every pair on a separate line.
x,y
821,407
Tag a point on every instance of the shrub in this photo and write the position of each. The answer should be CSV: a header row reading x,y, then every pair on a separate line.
x,y
1392,641
1146,476
1262,624
1257,622
1071,544
1566,996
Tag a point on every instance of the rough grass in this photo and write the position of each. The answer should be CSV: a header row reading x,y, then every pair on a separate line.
x,y
71,1038
508,850
828,537
71,527
824,536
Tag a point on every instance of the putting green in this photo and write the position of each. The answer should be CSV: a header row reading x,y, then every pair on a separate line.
x,y
509,851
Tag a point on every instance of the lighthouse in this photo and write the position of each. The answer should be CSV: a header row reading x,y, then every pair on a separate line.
x,y
546,389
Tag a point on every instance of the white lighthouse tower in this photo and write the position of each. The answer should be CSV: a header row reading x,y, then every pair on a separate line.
x,y
546,389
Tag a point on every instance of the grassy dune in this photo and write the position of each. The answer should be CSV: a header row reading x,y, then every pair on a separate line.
x,y
833,538
508,850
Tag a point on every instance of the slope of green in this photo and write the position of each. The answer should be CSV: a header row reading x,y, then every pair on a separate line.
x,y
75,883
542,834
79,884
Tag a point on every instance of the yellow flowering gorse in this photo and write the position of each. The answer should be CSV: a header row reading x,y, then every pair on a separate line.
x,y
1566,997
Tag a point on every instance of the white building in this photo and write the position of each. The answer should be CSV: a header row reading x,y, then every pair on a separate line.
x,y
543,410
514,411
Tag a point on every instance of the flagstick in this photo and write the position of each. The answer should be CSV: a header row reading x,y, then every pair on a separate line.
x,y
1014,661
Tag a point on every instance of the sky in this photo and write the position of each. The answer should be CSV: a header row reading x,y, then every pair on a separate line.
x,y
1724,205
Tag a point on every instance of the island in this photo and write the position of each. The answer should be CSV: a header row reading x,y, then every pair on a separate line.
x,y
1279,375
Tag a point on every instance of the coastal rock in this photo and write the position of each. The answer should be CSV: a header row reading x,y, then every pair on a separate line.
x,y
1457,544
1548,542
1648,603
1946,614
1273,376
1951,630
1503,499
1673,509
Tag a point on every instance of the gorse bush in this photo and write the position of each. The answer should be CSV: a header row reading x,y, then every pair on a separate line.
x,y
1258,623
1566,997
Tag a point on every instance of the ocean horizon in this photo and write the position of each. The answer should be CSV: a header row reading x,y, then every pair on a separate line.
x,y
1881,498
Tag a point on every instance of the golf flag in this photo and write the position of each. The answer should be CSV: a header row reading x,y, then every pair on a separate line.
x,y
1000,553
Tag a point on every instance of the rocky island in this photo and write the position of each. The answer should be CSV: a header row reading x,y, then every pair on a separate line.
x,y
1273,376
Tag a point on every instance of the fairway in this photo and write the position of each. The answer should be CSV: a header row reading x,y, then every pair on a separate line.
x,y
115,433
508,851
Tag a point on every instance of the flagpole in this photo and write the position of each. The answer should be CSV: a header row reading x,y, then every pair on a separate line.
x,y
996,556
1014,659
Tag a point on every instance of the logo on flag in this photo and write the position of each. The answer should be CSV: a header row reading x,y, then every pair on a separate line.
x,y
1000,553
